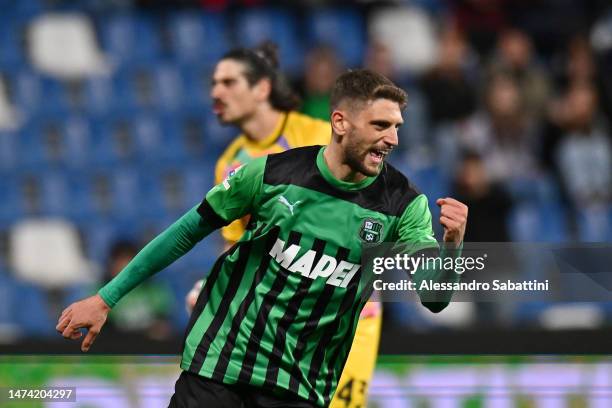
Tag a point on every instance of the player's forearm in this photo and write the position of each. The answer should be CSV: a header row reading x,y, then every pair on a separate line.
x,y
166,248
437,300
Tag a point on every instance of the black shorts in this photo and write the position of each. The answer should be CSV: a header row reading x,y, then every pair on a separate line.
x,y
193,391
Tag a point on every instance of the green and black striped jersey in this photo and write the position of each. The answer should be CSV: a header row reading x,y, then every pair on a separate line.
x,y
279,309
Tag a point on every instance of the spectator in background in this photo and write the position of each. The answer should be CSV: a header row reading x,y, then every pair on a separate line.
x,y
322,68
481,20
148,308
579,64
583,155
489,202
449,93
490,207
379,59
503,133
515,58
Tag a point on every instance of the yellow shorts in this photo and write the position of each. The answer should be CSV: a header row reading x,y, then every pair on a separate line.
x,y
352,390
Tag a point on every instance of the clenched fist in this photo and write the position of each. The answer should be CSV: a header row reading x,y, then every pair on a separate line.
x,y
453,217
90,314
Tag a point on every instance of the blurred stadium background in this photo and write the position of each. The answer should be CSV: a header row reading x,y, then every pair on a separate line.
x,y
107,136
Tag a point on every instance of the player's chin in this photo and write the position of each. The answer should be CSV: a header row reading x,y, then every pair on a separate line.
x,y
224,118
371,168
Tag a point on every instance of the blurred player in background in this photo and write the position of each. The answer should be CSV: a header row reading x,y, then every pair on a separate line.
x,y
249,92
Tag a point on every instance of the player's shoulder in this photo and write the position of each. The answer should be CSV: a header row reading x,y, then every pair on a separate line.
x,y
303,130
396,180
395,189
288,166
296,157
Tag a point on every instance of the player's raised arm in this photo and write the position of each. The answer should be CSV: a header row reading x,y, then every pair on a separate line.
x,y
226,202
416,230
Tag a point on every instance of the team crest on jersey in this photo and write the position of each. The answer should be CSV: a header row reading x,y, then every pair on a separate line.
x,y
371,231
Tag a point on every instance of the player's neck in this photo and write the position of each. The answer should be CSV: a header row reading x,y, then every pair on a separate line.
x,y
334,159
262,123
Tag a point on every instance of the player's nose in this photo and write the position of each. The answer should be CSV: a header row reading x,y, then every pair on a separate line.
x,y
391,137
216,91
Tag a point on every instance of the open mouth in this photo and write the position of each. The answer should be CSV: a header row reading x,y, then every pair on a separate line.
x,y
218,107
378,155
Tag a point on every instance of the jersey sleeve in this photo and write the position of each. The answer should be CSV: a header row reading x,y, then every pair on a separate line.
x,y
415,224
417,237
232,232
235,196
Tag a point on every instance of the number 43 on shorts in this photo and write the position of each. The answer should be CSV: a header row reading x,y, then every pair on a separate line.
x,y
351,394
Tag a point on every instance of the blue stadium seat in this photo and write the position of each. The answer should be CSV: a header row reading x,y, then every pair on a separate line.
x,y
169,89
595,225
99,234
55,140
198,180
33,312
99,94
142,86
197,87
8,293
78,140
107,193
55,189
33,148
28,93
54,98
11,208
9,148
44,192
553,223
130,38
126,190
198,37
259,24
21,9
12,31
163,189
113,140
538,223
342,29
148,135
133,88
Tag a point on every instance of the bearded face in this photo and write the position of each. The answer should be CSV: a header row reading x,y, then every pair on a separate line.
x,y
370,133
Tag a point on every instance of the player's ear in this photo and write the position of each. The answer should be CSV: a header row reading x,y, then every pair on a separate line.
x,y
338,122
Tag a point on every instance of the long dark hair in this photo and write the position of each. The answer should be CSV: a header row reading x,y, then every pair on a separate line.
x,y
262,62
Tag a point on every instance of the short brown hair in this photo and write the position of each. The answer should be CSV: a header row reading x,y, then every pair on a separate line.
x,y
363,85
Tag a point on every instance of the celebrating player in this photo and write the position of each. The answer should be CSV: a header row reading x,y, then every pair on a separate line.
x,y
274,322
249,92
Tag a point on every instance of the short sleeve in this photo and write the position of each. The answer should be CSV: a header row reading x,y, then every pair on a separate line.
x,y
235,196
415,224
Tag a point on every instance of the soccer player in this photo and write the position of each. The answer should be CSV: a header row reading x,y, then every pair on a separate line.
x,y
274,322
248,91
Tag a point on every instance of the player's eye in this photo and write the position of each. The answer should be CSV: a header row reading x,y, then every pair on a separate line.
x,y
381,125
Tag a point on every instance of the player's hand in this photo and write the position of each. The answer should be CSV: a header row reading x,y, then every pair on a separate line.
x,y
90,314
192,296
453,217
